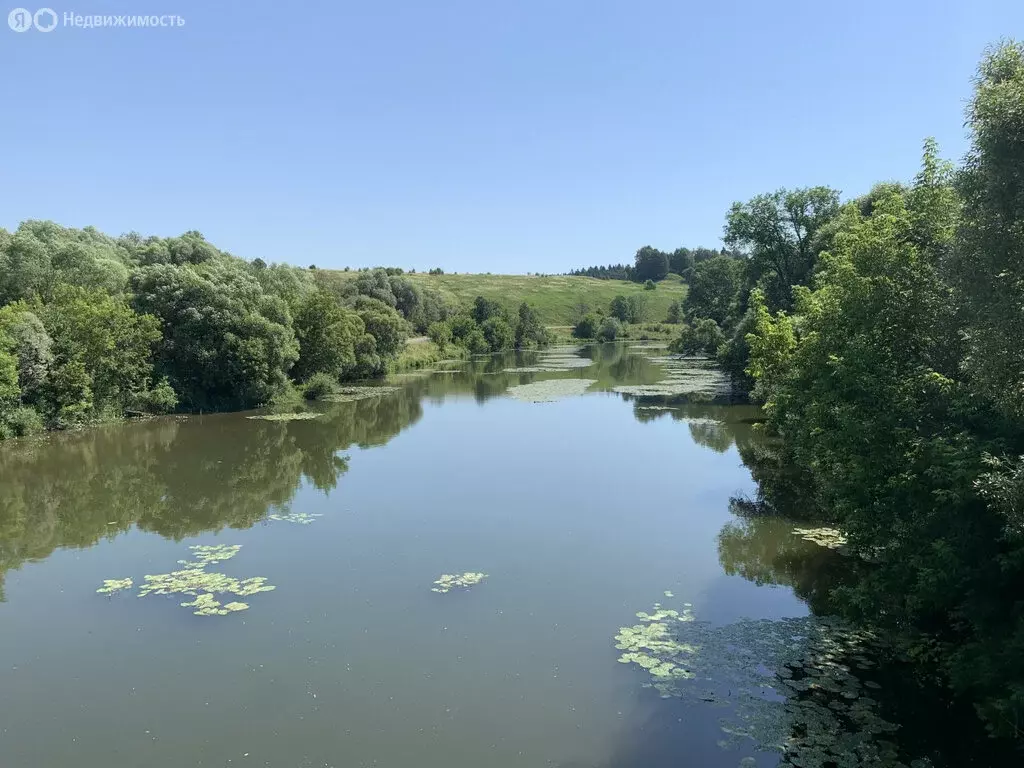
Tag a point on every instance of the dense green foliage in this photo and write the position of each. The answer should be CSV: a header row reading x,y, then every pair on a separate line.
x,y
489,327
93,327
610,329
703,338
714,290
893,373
631,309
587,326
651,264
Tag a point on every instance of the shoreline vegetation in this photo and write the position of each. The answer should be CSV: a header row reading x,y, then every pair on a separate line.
x,y
884,336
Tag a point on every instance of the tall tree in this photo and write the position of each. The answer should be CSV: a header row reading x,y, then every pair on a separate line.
x,y
714,289
989,261
782,233
650,264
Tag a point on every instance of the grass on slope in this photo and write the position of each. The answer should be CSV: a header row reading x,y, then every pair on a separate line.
x,y
554,297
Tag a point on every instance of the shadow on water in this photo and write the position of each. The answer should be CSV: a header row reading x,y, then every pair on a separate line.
x,y
760,546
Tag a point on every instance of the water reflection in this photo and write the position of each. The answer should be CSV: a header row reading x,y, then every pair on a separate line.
x,y
177,477
183,476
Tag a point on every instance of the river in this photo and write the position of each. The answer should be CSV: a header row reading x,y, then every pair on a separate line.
x,y
581,512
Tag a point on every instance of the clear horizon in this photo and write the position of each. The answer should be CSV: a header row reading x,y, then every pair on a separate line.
x,y
504,140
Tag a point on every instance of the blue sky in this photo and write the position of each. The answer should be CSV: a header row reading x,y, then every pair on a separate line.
x,y
508,136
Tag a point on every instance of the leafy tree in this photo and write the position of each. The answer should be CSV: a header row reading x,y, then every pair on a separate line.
x,y
680,261
586,328
388,332
42,254
637,310
462,325
31,345
10,393
610,329
620,309
530,331
475,342
292,284
704,337
226,343
675,313
376,285
988,265
714,290
113,344
319,386
734,354
499,333
433,308
650,264
69,394
441,334
327,335
782,233
408,299
485,309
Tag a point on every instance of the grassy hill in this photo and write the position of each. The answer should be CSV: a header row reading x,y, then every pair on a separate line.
x,y
553,297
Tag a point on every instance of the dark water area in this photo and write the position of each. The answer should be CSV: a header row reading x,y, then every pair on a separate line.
x,y
582,512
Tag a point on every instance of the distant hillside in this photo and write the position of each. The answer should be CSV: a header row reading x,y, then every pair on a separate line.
x,y
553,297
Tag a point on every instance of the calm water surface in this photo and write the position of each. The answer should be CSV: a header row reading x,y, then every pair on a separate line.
x,y
582,511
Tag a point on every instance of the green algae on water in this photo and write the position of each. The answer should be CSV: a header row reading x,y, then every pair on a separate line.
x,y
207,605
446,582
112,586
830,538
352,393
550,390
788,684
302,416
193,579
213,553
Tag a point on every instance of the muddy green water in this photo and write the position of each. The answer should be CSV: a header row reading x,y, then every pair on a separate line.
x,y
581,511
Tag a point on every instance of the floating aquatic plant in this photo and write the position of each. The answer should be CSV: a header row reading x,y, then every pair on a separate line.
x,y
831,538
207,605
110,586
302,416
349,394
446,582
790,683
301,518
213,553
550,390
652,646
564,362
193,579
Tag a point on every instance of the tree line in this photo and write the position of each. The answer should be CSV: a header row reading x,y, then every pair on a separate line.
x,y
651,264
94,327
885,336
